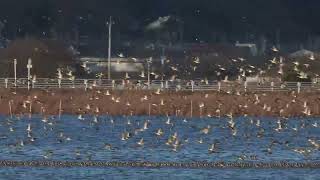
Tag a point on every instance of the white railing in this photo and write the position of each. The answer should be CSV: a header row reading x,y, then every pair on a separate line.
x,y
176,85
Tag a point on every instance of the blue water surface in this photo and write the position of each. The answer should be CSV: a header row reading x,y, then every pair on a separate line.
x,y
80,139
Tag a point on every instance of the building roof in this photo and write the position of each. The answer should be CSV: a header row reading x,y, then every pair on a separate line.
x,y
301,53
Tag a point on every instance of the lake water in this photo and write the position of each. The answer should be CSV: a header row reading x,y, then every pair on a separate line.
x,y
100,139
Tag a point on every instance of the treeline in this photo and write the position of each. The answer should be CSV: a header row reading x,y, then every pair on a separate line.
x,y
208,20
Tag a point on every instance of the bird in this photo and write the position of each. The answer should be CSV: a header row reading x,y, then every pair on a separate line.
x,y
197,60
145,125
107,146
29,127
157,92
161,102
69,73
168,121
128,103
213,148
296,63
274,49
127,76
159,132
107,93
306,65
141,142
312,57
314,143
142,75
121,55
206,130
134,59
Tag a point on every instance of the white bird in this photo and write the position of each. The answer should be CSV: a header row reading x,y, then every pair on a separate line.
x,y
312,57
241,59
145,125
29,127
84,64
274,49
157,92
174,68
69,73
142,74
80,117
306,65
296,63
212,148
197,60
127,76
159,132
121,55
141,142
134,59
168,121
161,102
273,61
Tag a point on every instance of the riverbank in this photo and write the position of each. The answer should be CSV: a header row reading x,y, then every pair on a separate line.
x,y
137,102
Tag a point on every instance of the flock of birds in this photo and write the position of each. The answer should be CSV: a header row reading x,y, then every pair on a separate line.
x,y
168,133
221,71
164,134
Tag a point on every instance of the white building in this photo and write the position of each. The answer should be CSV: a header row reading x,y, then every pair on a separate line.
x,y
252,47
302,53
97,64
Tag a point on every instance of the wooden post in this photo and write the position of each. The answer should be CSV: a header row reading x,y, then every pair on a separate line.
x,y
30,109
29,66
60,107
85,84
245,86
219,86
272,85
10,109
192,85
191,109
59,83
15,72
113,84
299,86
6,82
33,81
167,86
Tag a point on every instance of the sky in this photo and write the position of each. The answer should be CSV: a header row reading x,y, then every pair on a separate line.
x,y
202,19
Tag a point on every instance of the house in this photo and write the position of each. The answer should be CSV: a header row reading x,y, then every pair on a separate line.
x,y
97,64
252,47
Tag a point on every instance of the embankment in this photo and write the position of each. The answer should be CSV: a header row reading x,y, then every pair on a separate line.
x,y
78,101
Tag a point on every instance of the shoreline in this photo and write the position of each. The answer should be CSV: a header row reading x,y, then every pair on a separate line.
x,y
143,102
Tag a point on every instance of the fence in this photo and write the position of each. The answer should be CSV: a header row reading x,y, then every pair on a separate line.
x,y
177,85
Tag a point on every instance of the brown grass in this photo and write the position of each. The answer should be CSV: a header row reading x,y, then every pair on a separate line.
x,y
74,101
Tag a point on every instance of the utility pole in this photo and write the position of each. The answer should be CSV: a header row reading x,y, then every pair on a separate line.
x,y
109,49
29,66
